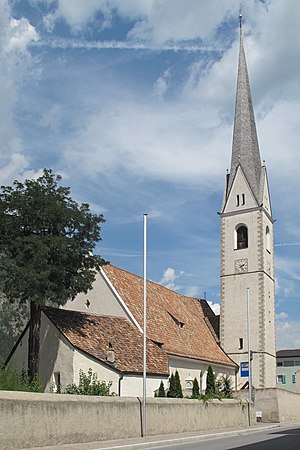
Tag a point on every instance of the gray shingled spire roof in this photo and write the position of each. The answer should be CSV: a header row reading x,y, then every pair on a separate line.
x,y
245,150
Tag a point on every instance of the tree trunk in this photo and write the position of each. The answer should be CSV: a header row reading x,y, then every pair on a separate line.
x,y
34,340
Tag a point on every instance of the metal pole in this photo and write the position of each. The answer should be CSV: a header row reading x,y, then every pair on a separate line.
x,y
249,349
145,327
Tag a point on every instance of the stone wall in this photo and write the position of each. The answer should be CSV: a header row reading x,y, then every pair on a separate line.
x,y
33,420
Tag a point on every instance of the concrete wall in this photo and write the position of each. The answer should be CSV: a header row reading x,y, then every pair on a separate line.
x,y
275,405
51,419
289,406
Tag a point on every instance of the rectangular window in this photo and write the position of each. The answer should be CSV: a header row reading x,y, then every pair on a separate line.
x,y
279,364
294,378
241,343
243,199
237,200
288,363
280,379
56,382
297,363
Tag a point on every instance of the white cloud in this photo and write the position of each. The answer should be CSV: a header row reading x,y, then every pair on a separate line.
x,y
17,168
156,140
52,117
287,335
215,307
15,62
282,316
76,13
192,291
161,84
168,279
158,21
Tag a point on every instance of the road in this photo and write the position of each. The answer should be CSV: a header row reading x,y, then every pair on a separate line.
x,y
267,437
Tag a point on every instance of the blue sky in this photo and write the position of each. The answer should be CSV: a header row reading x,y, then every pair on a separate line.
x,y
132,101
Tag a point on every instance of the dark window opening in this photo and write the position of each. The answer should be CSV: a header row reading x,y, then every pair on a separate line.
x,y
243,199
237,200
242,237
241,343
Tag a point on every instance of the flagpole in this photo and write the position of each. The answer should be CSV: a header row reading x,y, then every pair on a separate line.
x,y
249,350
145,327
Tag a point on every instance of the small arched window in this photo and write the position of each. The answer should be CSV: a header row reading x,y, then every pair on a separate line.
x,y
242,237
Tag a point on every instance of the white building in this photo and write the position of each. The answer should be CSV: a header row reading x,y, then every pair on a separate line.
x,y
102,330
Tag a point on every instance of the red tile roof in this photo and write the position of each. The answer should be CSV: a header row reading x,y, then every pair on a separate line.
x,y
176,321
94,334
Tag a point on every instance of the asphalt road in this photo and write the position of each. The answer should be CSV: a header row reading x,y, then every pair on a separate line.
x,y
276,439
260,437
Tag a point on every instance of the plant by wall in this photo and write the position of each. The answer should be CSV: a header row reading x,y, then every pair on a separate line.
x,y
225,386
179,393
210,382
89,385
161,390
196,390
11,380
175,389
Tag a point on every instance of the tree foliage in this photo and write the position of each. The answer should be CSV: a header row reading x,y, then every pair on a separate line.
x,y
10,380
89,385
46,248
210,382
196,390
175,389
224,386
161,390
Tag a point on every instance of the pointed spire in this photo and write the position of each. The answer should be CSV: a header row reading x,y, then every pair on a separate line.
x,y
245,149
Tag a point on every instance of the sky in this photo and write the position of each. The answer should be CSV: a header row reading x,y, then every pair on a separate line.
x,y
132,102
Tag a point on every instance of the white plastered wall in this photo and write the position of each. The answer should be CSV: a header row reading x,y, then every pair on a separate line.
x,y
193,368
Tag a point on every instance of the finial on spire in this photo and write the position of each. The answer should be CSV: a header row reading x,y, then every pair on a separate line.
x,y
240,16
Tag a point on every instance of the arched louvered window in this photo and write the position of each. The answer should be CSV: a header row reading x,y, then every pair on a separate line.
x,y
268,239
242,237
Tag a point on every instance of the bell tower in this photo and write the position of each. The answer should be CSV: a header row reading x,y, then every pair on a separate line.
x,y
247,246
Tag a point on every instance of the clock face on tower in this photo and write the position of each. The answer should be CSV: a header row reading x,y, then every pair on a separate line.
x,y
241,265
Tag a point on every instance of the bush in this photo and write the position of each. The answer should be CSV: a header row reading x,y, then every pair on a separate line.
x,y
196,390
10,380
161,390
225,386
89,385
210,382
175,389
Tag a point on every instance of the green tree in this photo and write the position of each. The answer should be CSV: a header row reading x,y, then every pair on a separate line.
x,y
89,385
210,382
178,387
196,390
226,388
172,387
46,249
161,390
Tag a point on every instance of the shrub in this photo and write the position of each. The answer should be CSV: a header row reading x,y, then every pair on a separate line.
x,y
11,380
175,389
179,393
89,385
196,390
210,382
161,390
225,386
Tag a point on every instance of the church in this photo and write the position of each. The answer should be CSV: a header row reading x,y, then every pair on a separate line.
x,y
103,330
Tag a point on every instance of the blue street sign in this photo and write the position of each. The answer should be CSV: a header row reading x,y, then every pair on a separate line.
x,y
244,369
